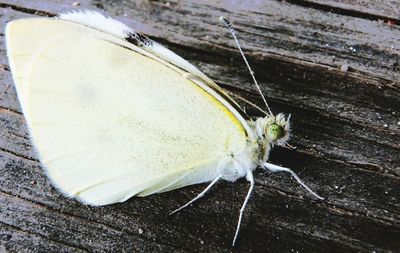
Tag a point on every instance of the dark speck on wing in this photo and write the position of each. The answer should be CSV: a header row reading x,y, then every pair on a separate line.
x,y
139,40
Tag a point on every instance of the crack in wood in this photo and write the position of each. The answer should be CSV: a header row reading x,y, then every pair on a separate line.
x,y
27,10
343,11
6,110
19,155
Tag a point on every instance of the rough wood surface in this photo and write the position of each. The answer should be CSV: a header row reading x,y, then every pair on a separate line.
x,y
386,11
346,127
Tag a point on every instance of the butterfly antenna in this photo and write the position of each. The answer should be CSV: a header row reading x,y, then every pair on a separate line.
x,y
233,32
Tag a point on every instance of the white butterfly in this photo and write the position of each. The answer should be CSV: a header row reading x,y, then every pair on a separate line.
x,y
113,114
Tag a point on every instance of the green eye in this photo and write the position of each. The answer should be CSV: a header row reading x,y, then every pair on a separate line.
x,y
274,132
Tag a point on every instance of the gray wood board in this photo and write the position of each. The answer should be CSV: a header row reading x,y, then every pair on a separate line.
x,y
345,127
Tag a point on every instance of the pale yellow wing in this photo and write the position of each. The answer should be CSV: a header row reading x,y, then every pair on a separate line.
x,y
108,120
159,52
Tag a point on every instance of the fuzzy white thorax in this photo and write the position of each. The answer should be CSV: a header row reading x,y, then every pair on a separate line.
x,y
236,165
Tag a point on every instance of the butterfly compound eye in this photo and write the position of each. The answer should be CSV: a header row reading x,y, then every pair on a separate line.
x,y
274,132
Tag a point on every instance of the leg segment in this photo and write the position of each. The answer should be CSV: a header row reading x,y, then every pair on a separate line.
x,y
201,194
249,177
276,168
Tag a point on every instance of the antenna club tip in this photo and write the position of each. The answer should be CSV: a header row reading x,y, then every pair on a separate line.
x,y
225,21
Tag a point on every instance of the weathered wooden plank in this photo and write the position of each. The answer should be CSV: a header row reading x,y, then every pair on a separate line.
x,y
387,11
80,234
344,150
16,240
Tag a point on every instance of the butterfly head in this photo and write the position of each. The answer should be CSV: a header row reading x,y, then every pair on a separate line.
x,y
275,129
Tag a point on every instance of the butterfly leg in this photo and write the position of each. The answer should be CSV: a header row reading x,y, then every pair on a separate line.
x,y
201,194
249,177
276,168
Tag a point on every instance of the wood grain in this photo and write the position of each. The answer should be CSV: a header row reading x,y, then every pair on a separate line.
x,y
345,127
386,11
